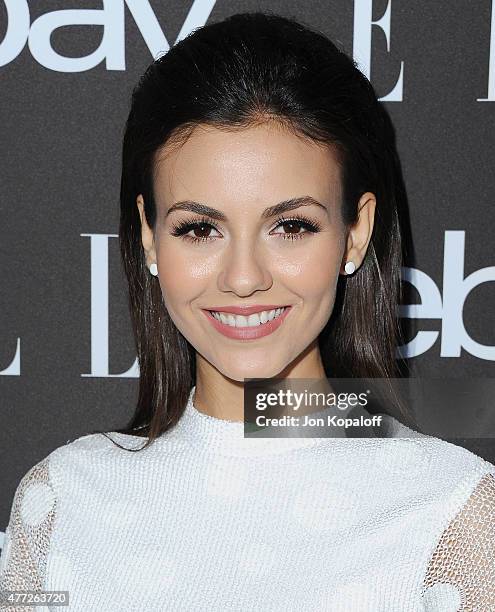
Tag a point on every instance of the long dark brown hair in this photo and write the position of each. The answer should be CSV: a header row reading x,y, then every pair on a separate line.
x,y
231,74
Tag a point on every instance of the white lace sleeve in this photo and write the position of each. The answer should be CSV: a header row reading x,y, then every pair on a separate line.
x,y
27,537
461,570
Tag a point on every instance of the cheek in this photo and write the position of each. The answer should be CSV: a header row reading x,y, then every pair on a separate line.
x,y
312,270
183,274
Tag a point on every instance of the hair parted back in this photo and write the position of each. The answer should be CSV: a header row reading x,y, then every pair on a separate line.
x,y
250,68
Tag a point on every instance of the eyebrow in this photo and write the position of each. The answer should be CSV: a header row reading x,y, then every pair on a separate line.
x,y
269,212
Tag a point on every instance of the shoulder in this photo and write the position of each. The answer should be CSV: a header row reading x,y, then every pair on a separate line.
x,y
48,470
442,469
35,507
84,454
38,484
43,486
463,552
83,448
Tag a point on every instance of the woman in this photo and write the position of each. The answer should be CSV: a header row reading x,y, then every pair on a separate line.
x,y
259,180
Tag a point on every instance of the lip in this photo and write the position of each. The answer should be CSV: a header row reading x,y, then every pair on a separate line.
x,y
248,333
247,310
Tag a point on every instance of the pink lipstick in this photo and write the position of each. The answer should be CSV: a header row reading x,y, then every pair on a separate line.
x,y
247,332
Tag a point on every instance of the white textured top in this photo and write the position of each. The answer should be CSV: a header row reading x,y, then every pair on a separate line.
x,y
207,520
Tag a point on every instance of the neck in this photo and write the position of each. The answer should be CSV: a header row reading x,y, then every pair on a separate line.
x,y
223,398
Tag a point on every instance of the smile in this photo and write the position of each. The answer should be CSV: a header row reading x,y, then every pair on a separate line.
x,y
253,320
247,327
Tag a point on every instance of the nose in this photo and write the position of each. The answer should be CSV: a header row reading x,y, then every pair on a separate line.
x,y
244,269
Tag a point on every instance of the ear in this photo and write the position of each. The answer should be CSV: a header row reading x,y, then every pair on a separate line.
x,y
360,233
147,238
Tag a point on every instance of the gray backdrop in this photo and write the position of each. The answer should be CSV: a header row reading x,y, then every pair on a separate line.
x,y
67,363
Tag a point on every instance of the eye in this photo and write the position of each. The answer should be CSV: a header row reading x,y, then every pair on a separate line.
x,y
201,228
296,223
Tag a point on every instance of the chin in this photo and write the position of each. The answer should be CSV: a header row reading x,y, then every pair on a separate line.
x,y
264,370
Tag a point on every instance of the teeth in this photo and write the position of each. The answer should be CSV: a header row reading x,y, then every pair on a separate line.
x,y
251,321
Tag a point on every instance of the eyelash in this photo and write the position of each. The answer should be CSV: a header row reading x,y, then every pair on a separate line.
x,y
182,228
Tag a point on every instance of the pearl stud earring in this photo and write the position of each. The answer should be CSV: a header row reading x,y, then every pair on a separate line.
x,y
154,269
349,267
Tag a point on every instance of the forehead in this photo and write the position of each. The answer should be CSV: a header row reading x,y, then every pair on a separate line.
x,y
250,164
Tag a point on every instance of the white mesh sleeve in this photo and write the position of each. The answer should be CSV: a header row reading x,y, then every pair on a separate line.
x,y
462,567
27,537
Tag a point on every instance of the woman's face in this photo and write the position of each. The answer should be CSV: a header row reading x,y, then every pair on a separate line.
x,y
242,252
